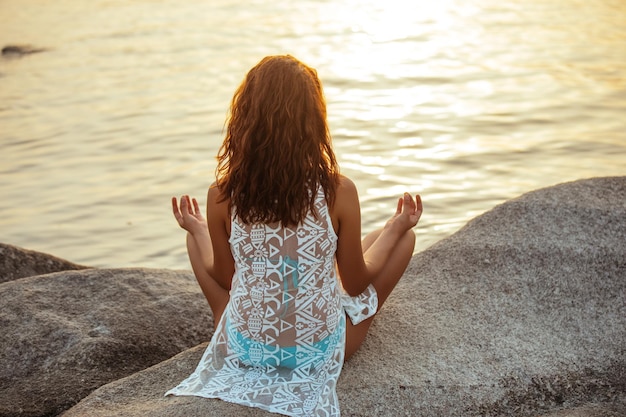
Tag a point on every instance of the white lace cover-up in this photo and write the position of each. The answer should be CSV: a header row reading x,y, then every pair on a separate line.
x,y
280,344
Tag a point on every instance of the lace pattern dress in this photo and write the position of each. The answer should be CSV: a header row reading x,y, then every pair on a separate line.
x,y
279,345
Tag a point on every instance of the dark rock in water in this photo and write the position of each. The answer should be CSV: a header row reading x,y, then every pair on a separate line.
x,y
65,334
19,50
18,263
520,313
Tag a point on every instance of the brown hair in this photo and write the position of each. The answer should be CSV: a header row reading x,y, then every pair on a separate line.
x,y
277,150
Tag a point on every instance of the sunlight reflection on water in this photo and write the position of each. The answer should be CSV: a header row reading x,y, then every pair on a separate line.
x,y
469,103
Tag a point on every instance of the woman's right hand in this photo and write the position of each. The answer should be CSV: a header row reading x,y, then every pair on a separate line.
x,y
189,216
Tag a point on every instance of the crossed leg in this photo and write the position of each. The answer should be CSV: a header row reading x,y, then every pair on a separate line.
x,y
384,283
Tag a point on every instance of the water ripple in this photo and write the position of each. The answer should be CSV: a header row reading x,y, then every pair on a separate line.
x,y
467,102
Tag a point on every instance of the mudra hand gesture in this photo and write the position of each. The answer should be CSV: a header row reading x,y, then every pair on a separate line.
x,y
408,212
188,215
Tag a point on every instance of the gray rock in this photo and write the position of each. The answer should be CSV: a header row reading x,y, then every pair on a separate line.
x,y
16,262
522,313
590,410
65,334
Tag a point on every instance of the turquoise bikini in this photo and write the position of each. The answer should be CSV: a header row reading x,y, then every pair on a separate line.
x,y
254,353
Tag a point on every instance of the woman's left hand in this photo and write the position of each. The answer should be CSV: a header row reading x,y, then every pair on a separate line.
x,y
188,215
408,212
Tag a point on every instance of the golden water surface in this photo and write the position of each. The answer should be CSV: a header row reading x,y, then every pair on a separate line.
x,y
467,102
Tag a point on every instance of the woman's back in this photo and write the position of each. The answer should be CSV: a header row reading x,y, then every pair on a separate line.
x,y
285,286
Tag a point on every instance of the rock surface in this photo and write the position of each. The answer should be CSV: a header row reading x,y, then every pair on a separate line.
x,y
16,262
522,312
67,333
590,410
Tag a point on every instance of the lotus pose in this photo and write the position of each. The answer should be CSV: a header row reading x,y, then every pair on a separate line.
x,y
279,256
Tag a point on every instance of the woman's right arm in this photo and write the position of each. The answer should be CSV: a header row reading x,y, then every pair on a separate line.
x,y
211,237
357,269
218,215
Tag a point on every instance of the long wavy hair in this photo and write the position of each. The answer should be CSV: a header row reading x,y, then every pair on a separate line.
x,y
277,150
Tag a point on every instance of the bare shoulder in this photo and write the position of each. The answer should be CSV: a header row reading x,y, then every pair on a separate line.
x,y
214,194
346,191
345,184
218,206
346,201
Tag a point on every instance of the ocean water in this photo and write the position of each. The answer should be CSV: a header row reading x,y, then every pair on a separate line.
x,y
466,102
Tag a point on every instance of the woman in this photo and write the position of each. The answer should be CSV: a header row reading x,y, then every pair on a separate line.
x,y
292,287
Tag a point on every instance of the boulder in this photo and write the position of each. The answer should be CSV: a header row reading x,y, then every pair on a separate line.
x,y
16,262
522,312
67,333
